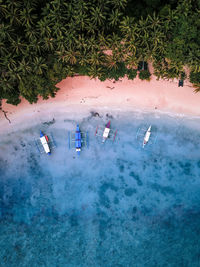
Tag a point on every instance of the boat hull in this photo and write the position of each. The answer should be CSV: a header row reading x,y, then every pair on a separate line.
x,y
44,142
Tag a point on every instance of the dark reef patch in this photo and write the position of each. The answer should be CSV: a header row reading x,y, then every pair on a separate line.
x,y
121,164
103,198
186,167
162,189
136,177
34,167
121,168
134,209
129,192
116,200
73,219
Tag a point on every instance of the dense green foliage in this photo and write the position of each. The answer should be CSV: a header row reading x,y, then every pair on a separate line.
x,y
42,42
144,75
195,79
131,74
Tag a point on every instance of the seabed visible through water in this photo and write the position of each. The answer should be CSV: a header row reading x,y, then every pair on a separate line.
x,y
115,205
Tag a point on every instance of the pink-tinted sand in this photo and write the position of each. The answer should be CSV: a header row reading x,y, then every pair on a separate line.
x,y
82,92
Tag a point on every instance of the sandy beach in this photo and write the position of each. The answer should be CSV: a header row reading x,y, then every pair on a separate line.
x,y
80,94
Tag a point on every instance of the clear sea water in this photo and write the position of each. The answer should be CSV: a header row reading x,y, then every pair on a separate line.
x,y
115,205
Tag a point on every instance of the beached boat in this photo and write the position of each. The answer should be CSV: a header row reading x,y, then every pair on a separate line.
x,y
78,140
44,141
147,136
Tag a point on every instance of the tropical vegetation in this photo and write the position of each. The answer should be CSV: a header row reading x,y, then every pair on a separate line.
x,y
42,42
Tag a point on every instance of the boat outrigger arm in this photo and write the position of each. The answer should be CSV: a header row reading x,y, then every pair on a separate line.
x,y
44,141
78,140
106,132
147,136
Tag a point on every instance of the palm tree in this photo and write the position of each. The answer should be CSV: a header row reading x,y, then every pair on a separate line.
x,y
97,16
143,27
3,10
24,67
92,44
128,27
43,26
60,43
121,4
111,61
27,18
131,45
120,53
89,27
83,58
69,56
3,48
39,65
13,13
96,58
170,20
69,10
94,71
18,46
48,44
155,21
35,47
102,41
10,62
5,32
58,29
114,17
14,73
131,61
113,41
81,19
80,42
31,33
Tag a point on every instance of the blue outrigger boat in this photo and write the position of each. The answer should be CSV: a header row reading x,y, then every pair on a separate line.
x,y
78,139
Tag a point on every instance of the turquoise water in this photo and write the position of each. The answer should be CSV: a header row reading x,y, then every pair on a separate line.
x,y
115,205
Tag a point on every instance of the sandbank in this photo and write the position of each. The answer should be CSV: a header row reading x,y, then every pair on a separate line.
x,y
80,94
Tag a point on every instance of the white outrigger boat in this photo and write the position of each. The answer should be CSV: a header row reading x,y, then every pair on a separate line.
x,y
106,133
44,141
147,136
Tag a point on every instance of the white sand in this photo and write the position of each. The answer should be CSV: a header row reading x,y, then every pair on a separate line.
x,y
81,94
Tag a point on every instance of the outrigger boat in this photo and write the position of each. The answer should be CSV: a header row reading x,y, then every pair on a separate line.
x,y
44,141
147,136
106,132
78,140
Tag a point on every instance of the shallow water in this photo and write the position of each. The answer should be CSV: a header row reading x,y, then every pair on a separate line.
x,y
115,205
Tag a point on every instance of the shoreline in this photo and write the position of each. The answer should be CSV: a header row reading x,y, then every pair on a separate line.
x,y
81,95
